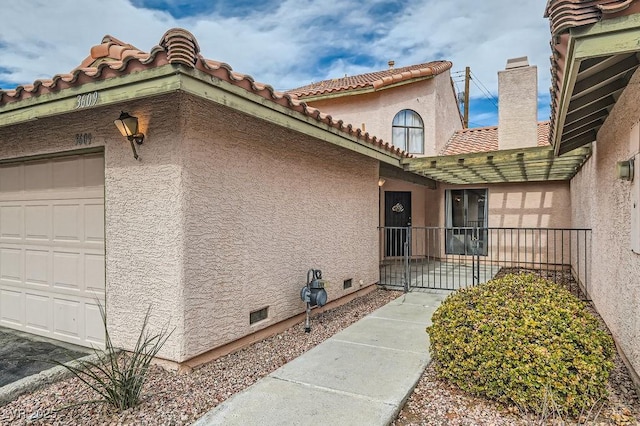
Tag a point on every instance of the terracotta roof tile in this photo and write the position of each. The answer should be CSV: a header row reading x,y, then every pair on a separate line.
x,y
567,14
114,58
485,139
372,80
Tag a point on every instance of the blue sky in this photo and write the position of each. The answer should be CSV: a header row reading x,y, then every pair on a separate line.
x,y
290,43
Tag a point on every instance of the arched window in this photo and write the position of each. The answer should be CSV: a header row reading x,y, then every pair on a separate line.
x,y
408,132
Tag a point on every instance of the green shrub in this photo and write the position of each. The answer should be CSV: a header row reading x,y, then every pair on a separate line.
x,y
516,338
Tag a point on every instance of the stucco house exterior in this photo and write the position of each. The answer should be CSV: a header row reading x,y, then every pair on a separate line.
x,y
237,191
594,93
414,107
454,157
216,224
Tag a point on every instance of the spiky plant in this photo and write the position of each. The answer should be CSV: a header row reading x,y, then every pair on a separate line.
x,y
117,375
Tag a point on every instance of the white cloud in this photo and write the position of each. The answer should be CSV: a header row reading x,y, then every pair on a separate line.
x,y
280,46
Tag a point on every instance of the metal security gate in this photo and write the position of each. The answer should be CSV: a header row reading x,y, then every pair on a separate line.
x,y
456,257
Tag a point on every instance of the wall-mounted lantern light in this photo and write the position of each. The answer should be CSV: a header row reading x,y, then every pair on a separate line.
x,y
624,169
128,127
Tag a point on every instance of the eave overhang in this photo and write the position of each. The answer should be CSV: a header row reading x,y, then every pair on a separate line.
x,y
535,164
598,63
172,78
391,172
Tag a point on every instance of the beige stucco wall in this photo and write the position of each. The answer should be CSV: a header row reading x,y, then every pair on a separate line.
x,y
223,215
448,118
433,99
142,208
264,204
602,202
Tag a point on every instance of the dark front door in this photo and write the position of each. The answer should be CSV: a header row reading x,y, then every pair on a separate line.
x,y
397,218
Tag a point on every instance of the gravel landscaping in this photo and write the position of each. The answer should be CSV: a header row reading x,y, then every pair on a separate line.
x,y
177,399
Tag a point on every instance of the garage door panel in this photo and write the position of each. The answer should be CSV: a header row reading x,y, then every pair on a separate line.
x,y
11,264
65,222
11,178
37,312
11,227
37,267
65,270
66,318
94,327
11,302
94,273
52,247
37,176
67,173
94,222
93,170
37,222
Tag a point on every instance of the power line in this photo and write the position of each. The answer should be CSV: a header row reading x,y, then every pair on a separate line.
x,y
484,90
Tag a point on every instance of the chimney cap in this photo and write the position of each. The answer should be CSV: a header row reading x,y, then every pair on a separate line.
x,y
520,62
391,64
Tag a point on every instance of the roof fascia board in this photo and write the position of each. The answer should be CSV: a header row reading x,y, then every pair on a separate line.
x,y
171,78
396,173
356,92
141,84
569,80
199,84
608,37
616,42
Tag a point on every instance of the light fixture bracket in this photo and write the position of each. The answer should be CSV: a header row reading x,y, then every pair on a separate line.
x,y
128,127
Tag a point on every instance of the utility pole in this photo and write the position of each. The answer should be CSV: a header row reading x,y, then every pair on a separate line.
x,y
467,78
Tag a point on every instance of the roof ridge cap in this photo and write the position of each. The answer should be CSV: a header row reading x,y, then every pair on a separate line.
x,y
181,47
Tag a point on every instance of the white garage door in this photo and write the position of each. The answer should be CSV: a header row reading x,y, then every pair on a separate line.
x,y
52,247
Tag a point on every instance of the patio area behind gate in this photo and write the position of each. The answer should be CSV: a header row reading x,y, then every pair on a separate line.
x,y
454,258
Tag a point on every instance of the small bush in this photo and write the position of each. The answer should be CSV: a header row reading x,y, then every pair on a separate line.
x,y
517,338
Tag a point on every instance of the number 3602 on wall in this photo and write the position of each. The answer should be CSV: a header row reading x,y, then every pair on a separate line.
x,y
86,100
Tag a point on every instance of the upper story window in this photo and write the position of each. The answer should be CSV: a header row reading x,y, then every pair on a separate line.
x,y
408,132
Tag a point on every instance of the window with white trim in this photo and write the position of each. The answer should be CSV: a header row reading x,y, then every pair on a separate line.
x,y
408,132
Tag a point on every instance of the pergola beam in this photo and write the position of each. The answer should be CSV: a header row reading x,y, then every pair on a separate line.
x,y
524,165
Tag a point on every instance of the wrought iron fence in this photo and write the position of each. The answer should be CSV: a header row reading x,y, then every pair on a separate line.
x,y
452,258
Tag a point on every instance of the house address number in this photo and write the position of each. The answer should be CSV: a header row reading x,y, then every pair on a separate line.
x,y
87,100
83,138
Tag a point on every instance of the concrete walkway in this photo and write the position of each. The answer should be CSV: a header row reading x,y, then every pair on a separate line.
x,y
360,376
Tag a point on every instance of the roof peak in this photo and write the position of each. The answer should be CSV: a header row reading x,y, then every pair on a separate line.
x,y
114,58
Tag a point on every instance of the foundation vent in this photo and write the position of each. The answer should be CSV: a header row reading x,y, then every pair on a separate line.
x,y
259,315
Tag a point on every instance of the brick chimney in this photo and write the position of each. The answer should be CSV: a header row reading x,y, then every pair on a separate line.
x,y
518,105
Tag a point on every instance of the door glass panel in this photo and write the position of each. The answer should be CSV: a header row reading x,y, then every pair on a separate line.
x,y
467,221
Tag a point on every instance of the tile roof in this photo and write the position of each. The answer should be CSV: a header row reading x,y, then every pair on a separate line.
x,y
567,14
372,80
485,139
113,58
